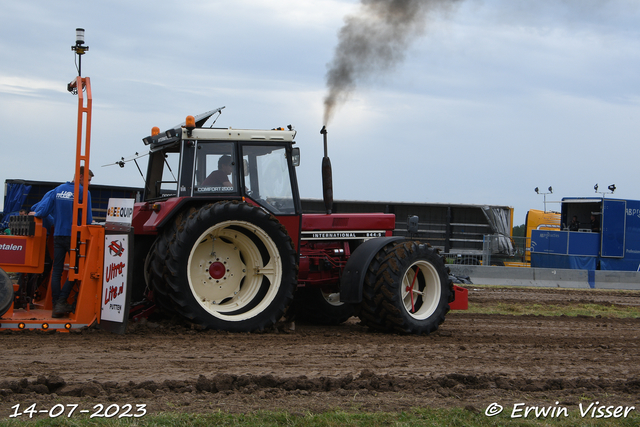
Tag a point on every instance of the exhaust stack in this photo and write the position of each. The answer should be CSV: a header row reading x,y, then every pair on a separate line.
x,y
327,181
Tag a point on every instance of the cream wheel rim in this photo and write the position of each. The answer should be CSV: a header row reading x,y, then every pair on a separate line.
x,y
230,276
421,290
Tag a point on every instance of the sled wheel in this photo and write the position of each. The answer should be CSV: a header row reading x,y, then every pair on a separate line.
x,y
414,289
313,305
6,292
230,266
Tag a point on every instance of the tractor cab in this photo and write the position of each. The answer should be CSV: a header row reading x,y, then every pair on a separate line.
x,y
219,226
191,161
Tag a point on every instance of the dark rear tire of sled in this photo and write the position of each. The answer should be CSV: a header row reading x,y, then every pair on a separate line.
x,y
6,292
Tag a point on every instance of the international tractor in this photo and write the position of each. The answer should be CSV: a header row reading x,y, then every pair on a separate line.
x,y
220,239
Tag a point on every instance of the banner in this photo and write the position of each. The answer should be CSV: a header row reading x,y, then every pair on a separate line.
x,y
120,211
114,285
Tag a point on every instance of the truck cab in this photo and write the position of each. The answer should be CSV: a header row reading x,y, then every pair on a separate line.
x,y
606,237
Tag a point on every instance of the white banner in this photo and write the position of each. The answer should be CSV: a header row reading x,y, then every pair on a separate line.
x,y
114,278
120,211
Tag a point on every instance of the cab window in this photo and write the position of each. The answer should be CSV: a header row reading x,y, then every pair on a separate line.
x,y
267,178
216,168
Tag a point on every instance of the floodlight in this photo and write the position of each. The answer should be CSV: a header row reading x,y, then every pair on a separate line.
x,y
79,36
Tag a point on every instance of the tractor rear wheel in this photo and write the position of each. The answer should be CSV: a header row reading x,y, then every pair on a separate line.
x,y
412,290
6,292
313,305
155,268
228,266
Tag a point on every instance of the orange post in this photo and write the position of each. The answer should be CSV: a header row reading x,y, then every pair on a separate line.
x,y
79,232
87,241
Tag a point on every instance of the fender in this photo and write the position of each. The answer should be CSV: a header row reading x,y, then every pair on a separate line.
x,y
354,272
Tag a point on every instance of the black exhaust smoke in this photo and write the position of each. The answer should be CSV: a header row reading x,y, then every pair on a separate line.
x,y
370,43
373,41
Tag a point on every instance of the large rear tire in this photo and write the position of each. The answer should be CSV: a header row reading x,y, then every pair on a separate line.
x,y
409,292
228,266
155,263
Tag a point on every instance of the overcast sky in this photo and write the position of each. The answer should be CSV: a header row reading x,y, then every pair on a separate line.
x,y
495,98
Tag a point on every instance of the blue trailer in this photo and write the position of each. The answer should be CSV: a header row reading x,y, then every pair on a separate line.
x,y
607,237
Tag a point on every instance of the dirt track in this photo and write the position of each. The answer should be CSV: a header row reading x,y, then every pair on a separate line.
x,y
472,361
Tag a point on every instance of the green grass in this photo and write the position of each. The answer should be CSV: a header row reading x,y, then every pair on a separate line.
x,y
418,417
573,309
591,310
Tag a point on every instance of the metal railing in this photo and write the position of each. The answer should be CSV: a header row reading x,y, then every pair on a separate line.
x,y
493,252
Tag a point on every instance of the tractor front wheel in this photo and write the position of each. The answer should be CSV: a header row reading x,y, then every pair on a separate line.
x,y
412,290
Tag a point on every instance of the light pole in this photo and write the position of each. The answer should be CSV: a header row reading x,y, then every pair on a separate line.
x,y
545,196
611,188
80,49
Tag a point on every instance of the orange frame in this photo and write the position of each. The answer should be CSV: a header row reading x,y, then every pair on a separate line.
x,y
87,248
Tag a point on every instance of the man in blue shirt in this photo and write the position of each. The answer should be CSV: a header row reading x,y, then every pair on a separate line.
x,y
59,203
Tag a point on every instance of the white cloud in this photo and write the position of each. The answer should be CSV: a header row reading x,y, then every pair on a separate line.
x,y
28,86
299,15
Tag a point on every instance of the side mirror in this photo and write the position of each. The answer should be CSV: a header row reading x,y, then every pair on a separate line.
x,y
413,222
295,156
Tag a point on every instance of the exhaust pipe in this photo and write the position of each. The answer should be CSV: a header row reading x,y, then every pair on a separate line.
x,y
327,181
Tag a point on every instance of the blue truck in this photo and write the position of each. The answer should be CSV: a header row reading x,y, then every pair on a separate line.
x,y
606,236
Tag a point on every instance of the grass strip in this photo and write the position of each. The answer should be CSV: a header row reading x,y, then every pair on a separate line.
x,y
418,417
575,310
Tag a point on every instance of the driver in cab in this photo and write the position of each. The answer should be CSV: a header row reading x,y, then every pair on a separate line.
x,y
220,177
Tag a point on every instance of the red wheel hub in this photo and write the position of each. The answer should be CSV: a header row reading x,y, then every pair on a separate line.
x,y
217,270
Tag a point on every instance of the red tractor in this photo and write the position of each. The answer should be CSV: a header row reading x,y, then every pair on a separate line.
x,y
221,239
